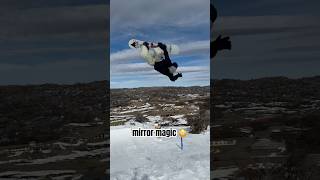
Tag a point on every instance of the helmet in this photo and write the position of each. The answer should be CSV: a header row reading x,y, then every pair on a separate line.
x,y
132,43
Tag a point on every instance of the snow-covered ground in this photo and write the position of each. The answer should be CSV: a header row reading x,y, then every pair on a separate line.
x,y
154,158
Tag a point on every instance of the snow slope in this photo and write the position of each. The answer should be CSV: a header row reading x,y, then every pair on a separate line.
x,y
153,158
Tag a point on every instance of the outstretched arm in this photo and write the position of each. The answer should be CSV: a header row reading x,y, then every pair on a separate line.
x,y
146,45
152,45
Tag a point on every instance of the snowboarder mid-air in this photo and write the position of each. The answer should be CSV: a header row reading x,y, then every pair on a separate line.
x,y
157,55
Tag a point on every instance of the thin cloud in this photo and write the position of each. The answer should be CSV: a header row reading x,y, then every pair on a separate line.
x,y
186,48
195,47
250,25
144,67
127,54
140,13
90,19
40,37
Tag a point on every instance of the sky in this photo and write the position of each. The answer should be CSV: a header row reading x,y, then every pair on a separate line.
x,y
269,38
43,41
182,22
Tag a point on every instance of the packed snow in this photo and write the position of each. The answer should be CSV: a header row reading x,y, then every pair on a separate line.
x,y
154,158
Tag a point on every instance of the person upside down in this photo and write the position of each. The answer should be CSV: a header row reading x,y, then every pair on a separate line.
x,y
157,55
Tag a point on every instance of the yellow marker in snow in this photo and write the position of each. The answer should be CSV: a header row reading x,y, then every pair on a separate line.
x,y
182,133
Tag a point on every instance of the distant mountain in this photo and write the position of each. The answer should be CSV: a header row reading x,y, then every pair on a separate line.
x,y
267,89
40,112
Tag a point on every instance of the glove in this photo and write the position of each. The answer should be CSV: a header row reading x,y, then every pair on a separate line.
x,y
222,43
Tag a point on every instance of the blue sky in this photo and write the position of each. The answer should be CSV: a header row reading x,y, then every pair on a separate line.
x,y
56,41
269,38
182,22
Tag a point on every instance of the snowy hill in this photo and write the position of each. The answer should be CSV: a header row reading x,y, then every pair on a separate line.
x,y
158,158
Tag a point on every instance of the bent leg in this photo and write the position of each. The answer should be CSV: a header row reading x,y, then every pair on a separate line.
x,y
175,77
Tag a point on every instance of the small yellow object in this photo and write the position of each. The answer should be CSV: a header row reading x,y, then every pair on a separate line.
x,y
182,133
